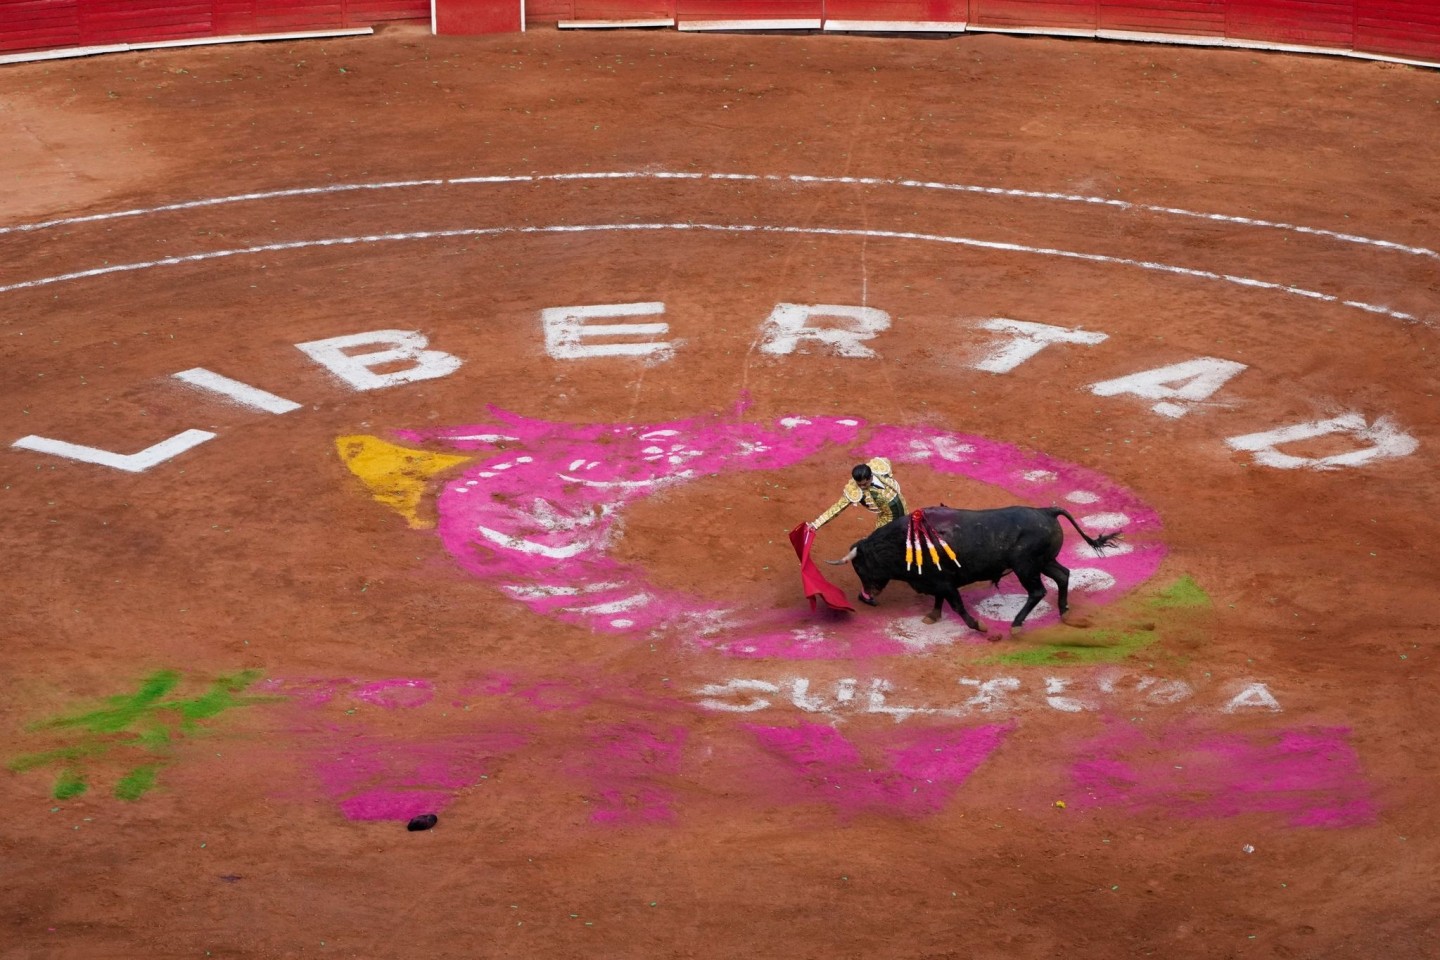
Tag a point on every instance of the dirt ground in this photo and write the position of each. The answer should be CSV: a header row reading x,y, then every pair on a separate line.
x,y
547,593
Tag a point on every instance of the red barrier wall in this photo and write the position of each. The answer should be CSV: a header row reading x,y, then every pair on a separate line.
x,y
470,18
615,10
1055,14
1316,23
1408,29
808,12
1397,28
1401,28
46,24
937,12
1195,18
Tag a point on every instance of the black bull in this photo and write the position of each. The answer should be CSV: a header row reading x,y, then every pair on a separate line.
x,y
987,543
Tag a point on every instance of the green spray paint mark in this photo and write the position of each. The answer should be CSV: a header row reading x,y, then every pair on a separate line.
x,y
123,711
144,722
69,784
134,784
1184,592
1108,645
32,760
1089,646
221,697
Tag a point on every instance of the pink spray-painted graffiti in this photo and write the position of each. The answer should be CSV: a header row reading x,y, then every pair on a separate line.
x,y
399,693
915,773
1311,776
380,778
623,762
537,520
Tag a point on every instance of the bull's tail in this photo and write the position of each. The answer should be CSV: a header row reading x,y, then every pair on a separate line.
x,y
1099,543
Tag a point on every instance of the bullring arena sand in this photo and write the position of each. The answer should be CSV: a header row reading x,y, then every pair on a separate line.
x,y
466,552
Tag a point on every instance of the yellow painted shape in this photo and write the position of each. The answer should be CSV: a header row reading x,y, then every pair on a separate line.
x,y
396,476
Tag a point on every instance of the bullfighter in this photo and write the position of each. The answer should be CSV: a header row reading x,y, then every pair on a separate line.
x,y
873,486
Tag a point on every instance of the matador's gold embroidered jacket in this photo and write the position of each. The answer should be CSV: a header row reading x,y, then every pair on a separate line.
x,y
883,497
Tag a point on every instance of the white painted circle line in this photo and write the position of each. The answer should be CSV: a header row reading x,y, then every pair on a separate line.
x,y
792,178
722,228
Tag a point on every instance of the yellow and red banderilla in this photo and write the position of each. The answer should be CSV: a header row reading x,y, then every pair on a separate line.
x,y
920,538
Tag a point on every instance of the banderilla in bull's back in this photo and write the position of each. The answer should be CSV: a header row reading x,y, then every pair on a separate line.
x,y
938,550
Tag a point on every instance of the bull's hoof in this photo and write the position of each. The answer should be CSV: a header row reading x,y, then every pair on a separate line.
x,y
932,618
866,600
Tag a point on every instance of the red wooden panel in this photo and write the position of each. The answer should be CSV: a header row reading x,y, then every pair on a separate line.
x,y
122,21
549,11
623,9
364,13
234,17
904,11
279,16
25,13
473,17
1197,18
1068,14
749,10
44,24
1398,28
38,24
283,16
1403,28
1312,23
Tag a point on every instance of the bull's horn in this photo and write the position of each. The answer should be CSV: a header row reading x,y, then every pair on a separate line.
x,y
845,559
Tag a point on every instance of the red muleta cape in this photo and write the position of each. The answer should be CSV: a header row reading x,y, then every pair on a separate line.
x,y
811,578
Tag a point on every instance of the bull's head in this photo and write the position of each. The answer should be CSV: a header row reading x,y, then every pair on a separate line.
x,y
872,578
